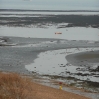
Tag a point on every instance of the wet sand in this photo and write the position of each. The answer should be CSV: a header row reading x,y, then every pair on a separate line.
x,y
32,19
84,58
16,52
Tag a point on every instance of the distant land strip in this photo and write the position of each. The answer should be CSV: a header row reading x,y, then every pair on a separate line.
x,y
49,10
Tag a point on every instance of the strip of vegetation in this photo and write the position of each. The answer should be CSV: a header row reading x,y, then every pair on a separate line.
x,y
13,86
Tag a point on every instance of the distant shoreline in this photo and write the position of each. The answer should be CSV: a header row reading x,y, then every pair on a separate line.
x,y
25,10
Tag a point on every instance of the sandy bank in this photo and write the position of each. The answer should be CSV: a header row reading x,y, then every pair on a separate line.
x,y
14,86
44,92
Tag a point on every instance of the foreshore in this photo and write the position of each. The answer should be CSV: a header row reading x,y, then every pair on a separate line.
x,y
24,87
45,92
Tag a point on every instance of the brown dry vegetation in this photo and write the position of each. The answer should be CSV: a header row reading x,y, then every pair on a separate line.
x,y
14,86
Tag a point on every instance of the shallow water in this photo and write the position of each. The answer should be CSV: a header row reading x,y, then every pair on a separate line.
x,y
54,63
73,33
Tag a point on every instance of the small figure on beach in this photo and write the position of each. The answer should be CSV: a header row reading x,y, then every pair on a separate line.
x,y
60,85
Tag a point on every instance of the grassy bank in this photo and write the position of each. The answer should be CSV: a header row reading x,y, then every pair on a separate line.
x,y
14,86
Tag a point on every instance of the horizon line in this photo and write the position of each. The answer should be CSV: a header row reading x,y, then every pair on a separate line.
x,y
50,10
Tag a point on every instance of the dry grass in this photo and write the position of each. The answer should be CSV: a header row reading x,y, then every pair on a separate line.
x,y
13,86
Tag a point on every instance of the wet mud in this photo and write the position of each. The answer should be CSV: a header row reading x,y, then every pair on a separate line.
x,y
43,21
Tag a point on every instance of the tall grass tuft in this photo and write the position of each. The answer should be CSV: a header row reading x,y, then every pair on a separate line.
x,y
13,86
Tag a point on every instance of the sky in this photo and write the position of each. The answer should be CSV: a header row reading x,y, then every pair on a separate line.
x,y
50,4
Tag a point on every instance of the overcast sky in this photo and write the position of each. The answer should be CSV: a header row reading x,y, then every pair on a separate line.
x,y
50,4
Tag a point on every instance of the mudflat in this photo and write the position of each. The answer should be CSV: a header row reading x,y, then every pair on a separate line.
x,y
84,58
16,52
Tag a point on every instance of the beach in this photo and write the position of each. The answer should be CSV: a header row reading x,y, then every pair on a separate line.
x,y
52,93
